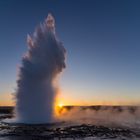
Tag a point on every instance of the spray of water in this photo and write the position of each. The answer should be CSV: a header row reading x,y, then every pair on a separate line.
x,y
44,60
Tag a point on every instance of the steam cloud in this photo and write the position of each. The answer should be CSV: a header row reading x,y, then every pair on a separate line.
x,y
42,63
122,116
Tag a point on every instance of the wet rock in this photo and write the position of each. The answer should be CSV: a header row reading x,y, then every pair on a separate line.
x,y
55,131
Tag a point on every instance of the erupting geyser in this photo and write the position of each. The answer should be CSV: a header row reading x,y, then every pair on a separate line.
x,y
44,60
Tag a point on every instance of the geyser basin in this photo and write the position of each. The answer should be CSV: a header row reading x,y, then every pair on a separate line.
x,y
44,60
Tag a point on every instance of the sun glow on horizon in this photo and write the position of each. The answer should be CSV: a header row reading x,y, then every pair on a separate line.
x,y
60,105
6,99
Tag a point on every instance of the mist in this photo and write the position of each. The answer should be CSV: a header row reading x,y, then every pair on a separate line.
x,y
110,116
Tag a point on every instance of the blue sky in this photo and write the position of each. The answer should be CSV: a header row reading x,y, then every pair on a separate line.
x,y
102,39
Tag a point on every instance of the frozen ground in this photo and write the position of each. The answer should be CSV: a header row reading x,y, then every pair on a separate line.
x,y
87,138
69,130
64,132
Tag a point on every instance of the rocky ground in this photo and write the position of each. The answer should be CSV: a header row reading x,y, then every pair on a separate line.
x,y
38,132
64,131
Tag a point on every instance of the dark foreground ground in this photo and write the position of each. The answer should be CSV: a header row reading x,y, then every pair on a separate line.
x,y
65,130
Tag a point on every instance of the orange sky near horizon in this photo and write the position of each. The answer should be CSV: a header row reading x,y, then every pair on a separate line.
x,y
8,100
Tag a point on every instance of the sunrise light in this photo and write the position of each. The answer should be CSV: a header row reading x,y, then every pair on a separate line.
x,y
60,105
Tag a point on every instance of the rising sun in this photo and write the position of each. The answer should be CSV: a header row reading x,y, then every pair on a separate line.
x,y
60,105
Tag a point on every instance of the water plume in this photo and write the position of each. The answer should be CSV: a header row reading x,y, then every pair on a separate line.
x,y
44,60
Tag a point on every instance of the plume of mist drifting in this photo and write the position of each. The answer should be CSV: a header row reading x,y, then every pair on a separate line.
x,y
44,60
123,116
